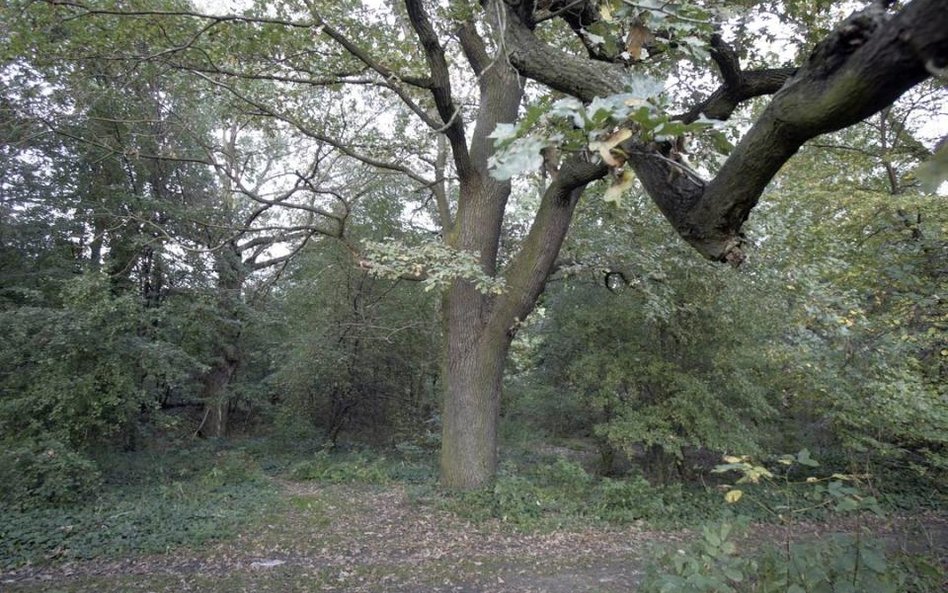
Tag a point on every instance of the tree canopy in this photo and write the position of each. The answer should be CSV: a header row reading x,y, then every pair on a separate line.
x,y
185,147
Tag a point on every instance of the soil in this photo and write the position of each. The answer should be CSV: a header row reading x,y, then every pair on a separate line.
x,y
363,539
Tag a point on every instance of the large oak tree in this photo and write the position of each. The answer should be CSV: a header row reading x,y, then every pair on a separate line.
x,y
461,71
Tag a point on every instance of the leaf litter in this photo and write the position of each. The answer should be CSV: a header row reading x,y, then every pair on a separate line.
x,y
372,539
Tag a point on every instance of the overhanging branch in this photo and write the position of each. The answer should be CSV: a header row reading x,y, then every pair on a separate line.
x,y
860,68
863,66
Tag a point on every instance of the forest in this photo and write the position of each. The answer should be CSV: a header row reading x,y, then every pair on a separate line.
x,y
497,296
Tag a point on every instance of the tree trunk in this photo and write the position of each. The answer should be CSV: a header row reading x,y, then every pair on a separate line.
x,y
474,368
216,401
480,327
230,279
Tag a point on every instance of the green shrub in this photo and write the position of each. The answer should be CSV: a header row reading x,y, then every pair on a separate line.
x,y
230,468
849,563
149,502
627,500
416,465
45,473
78,369
338,469
522,500
290,427
569,477
562,492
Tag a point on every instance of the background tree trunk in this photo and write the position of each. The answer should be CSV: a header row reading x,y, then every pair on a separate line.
x,y
230,280
216,400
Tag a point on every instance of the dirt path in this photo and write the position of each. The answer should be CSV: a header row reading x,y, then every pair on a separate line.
x,y
358,539
344,538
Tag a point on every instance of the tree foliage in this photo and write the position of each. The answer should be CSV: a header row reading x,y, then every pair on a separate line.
x,y
190,156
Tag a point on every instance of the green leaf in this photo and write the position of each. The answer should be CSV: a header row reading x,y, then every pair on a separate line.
x,y
847,504
803,458
720,142
874,559
519,156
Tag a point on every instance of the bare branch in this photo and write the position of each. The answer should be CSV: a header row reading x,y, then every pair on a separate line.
x,y
738,86
315,135
283,258
362,55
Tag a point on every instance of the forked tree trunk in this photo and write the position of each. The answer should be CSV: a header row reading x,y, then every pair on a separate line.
x,y
479,329
216,400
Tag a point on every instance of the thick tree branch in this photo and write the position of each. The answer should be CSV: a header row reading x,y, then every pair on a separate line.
x,y
738,86
473,47
586,79
531,266
501,91
862,67
579,77
440,88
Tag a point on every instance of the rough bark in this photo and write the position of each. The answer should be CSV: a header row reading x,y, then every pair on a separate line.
x,y
479,329
231,275
216,402
473,371
473,356
863,66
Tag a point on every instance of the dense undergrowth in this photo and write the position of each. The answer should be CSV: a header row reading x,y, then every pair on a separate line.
x,y
149,501
162,499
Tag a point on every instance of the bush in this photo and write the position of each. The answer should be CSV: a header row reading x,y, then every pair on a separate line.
x,y
851,562
149,502
231,468
45,473
844,563
627,500
338,469
78,369
563,492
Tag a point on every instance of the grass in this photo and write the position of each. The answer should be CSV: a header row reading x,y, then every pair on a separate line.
x,y
179,500
164,499
151,502
437,575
